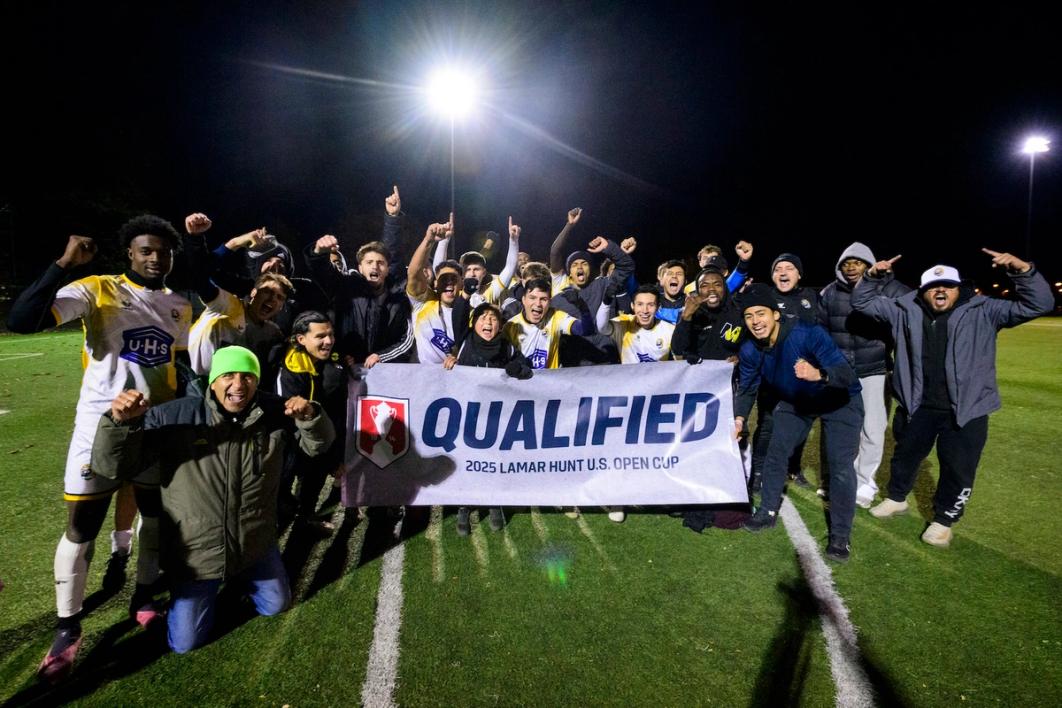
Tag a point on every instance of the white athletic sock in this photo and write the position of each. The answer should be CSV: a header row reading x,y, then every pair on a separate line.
x,y
147,560
122,542
71,573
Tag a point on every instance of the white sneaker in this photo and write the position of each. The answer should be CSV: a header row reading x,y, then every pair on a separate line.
x,y
937,535
888,508
572,513
617,514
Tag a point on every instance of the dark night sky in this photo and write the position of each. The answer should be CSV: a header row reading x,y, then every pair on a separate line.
x,y
800,129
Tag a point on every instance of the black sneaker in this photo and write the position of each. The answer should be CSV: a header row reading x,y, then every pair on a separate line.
x,y
838,550
761,520
59,661
800,480
114,577
464,525
497,518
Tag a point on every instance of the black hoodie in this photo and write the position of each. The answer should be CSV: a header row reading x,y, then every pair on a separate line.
x,y
710,334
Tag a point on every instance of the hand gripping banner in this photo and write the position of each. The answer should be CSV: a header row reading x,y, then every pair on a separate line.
x,y
656,433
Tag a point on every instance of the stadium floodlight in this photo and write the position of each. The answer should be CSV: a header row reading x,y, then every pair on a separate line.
x,y
451,92
1033,146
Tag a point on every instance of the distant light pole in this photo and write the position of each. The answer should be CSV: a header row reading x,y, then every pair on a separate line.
x,y
451,93
1034,145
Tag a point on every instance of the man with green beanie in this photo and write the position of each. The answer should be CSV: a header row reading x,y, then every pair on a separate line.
x,y
219,459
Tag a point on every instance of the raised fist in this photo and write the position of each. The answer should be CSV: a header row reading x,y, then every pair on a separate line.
x,y
597,245
628,245
79,251
299,408
127,405
574,215
743,249
197,223
325,244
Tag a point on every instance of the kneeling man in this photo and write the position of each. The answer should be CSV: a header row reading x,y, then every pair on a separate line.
x,y
219,459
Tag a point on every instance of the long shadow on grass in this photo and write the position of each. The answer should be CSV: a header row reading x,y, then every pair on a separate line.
x,y
787,660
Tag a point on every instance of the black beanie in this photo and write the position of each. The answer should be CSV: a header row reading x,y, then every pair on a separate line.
x,y
758,295
576,256
792,258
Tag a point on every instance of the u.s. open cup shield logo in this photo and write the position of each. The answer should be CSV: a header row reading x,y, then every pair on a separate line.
x,y
382,428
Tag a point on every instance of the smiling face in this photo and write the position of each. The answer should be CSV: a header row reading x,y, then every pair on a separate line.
x,y
235,391
318,340
672,280
487,325
762,321
712,288
535,303
579,272
448,287
374,268
852,269
267,301
644,306
785,276
150,257
941,297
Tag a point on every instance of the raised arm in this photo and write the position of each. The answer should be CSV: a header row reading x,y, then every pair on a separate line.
x,y
31,310
417,286
866,296
560,244
393,226
227,265
1034,292
509,270
196,257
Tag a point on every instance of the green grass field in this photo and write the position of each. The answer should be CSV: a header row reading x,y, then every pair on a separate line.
x,y
558,611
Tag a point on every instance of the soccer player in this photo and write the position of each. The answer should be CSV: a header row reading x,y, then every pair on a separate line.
x,y
945,376
135,328
713,255
440,314
810,378
711,325
536,331
671,276
640,338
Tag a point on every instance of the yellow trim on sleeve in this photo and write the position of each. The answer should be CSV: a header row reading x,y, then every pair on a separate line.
x,y
90,497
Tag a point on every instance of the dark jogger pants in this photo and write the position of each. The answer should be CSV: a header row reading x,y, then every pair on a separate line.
x,y
958,451
842,428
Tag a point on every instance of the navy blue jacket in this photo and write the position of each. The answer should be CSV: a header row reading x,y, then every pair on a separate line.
x,y
772,367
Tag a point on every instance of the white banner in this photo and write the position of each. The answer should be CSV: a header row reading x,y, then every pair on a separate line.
x,y
654,433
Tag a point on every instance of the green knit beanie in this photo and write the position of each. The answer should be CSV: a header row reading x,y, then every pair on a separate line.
x,y
229,360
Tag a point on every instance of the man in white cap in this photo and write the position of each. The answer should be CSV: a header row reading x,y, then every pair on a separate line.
x,y
945,376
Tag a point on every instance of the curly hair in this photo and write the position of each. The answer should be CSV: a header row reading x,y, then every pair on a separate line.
x,y
150,225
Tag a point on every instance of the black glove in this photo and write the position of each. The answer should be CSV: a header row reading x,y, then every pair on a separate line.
x,y
471,285
610,292
518,369
572,296
692,359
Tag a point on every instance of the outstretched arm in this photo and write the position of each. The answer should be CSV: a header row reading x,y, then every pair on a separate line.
x,y
560,244
30,312
1034,292
866,297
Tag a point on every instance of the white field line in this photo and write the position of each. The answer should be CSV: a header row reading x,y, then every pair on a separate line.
x,y
585,528
4,411
23,355
539,524
853,687
434,536
382,670
510,547
479,545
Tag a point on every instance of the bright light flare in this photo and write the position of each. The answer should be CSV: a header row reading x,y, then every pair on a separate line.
x,y
1036,144
452,92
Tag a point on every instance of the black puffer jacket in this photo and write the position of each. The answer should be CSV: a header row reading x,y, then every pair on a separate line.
x,y
866,344
710,334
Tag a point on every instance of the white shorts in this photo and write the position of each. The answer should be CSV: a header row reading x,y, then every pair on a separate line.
x,y
80,482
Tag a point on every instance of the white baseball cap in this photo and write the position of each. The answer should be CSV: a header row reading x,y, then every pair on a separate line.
x,y
942,275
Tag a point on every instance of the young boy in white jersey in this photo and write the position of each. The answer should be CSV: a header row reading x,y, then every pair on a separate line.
x,y
134,329
440,314
640,338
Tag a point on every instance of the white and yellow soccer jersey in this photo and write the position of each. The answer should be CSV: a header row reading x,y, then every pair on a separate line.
x,y
638,345
131,336
433,329
540,343
223,322
560,282
495,294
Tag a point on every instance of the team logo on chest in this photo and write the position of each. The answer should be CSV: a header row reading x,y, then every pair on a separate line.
x,y
147,346
382,428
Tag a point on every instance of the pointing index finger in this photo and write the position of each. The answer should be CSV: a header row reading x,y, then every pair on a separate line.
x,y
992,253
895,258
